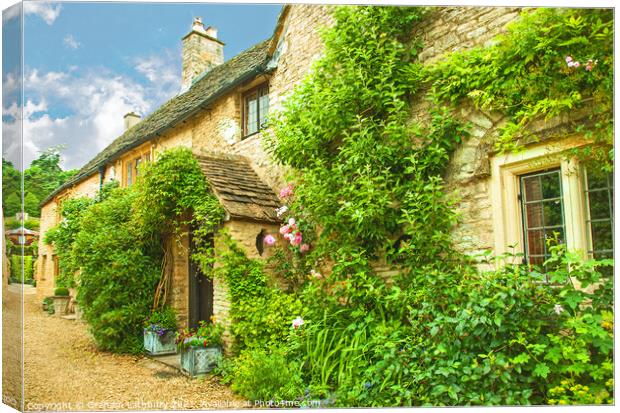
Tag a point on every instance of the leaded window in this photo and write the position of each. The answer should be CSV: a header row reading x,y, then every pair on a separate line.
x,y
542,213
599,195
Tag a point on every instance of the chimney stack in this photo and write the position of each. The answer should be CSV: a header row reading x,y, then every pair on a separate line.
x,y
202,51
131,119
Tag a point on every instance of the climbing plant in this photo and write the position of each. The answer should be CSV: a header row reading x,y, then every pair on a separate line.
x,y
550,62
367,182
117,245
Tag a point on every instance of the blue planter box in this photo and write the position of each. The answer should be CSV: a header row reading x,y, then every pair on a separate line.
x,y
200,360
157,346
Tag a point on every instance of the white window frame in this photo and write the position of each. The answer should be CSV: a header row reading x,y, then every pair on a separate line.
x,y
507,213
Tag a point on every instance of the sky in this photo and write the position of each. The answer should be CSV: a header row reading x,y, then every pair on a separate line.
x,y
87,64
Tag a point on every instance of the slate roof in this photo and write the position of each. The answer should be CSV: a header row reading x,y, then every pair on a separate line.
x,y
205,89
238,188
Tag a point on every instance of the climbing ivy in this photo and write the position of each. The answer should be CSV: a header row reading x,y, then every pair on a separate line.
x,y
550,62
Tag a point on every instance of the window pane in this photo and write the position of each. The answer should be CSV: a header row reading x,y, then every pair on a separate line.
x,y
534,215
129,172
550,186
597,178
599,204
251,110
263,109
533,190
536,242
553,213
602,238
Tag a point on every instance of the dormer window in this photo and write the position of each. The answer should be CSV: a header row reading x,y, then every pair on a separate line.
x,y
255,110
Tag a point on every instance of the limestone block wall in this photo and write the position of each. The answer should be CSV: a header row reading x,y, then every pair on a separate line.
x,y
446,30
50,215
178,297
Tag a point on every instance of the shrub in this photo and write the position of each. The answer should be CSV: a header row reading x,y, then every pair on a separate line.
x,y
162,320
16,268
119,272
61,292
265,375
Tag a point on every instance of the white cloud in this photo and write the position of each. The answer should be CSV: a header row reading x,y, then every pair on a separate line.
x,y
71,42
163,71
46,10
93,103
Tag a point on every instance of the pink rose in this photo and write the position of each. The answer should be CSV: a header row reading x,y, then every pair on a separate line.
x,y
288,236
291,221
304,247
296,240
298,322
569,59
286,191
571,64
285,229
577,64
269,240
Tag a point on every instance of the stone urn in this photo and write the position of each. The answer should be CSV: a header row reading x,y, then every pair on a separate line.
x,y
61,304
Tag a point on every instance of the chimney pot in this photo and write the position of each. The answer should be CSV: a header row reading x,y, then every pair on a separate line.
x,y
131,119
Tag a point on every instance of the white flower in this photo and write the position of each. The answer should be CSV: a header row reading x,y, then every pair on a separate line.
x,y
298,322
558,309
282,210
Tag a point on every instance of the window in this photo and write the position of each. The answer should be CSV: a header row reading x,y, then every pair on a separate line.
x,y
132,168
129,173
137,164
541,191
542,213
255,110
599,196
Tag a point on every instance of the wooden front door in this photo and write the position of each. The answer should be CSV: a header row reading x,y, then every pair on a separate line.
x,y
200,292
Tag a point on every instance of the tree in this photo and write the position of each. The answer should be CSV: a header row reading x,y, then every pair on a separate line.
x,y
31,204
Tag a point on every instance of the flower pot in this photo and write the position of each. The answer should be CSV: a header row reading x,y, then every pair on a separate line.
x,y
61,304
199,360
157,345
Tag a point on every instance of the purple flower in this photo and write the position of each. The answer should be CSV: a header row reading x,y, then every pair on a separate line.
x,y
269,240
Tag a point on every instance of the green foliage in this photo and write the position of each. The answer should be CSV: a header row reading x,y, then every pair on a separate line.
x,y
42,177
110,247
62,238
263,375
164,318
261,314
172,193
61,292
17,271
30,223
206,335
119,269
525,74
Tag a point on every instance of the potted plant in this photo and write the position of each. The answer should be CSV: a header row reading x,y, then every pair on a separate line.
x,y
61,301
159,332
200,349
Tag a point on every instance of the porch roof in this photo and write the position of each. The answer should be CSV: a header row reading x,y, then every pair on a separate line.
x,y
239,189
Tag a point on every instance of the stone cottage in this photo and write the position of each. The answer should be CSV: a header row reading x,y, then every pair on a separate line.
x,y
506,200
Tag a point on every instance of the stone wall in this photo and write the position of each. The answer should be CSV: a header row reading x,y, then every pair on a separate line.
x,y
446,30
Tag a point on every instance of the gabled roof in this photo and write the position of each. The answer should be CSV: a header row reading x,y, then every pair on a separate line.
x,y
206,89
238,188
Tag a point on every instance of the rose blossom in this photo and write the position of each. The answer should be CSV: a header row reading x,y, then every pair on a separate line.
x,y
298,322
304,247
269,240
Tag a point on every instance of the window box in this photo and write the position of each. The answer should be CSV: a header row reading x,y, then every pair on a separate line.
x,y
196,360
157,345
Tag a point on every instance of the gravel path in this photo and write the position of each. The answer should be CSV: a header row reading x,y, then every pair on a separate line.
x,y
64,371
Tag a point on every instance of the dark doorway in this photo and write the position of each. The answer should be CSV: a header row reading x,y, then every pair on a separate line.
x,y
200,291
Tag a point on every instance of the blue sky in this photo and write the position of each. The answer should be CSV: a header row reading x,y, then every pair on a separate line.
x,y
87,64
